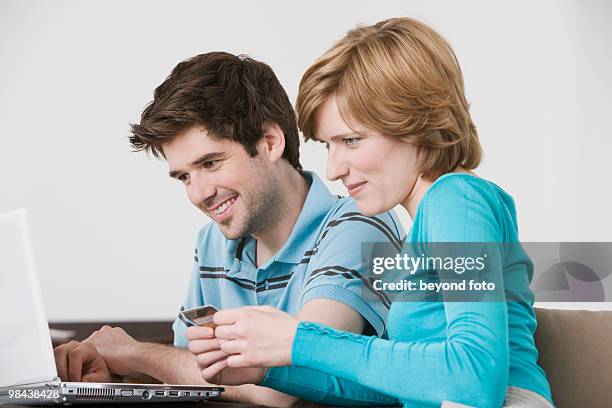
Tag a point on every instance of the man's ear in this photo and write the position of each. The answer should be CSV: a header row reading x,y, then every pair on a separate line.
x,y
272,144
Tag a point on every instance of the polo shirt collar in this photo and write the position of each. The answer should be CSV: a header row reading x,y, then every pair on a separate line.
x,y
318,203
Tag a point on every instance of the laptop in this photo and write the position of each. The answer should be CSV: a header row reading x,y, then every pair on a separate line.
x,y
28,375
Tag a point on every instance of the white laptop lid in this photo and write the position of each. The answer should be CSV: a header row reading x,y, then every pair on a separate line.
x,y
26,353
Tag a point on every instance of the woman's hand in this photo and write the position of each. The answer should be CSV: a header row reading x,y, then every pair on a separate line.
x,y
213,362
255,336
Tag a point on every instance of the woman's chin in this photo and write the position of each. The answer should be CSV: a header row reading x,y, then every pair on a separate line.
x,y
370,209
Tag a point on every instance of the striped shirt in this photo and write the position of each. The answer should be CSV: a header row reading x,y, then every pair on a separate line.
x,y
321,259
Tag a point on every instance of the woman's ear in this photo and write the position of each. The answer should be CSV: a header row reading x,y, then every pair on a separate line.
x,y
272,143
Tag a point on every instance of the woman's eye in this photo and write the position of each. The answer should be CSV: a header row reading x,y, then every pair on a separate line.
x,y
327,145
350,140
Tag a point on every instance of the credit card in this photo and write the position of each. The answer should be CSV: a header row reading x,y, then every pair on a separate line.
x,y
200,316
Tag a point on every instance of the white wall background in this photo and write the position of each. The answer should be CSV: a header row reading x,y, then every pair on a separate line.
x,y
114,235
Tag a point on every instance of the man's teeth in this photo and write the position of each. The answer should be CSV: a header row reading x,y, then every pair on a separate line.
x,y
221,209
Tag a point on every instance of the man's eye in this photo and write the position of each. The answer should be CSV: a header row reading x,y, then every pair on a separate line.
x,y
183,177
350,140
327,145
209,164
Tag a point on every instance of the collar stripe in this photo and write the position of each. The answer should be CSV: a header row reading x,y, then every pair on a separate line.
x,y
249,284
212,268
380,222
360,218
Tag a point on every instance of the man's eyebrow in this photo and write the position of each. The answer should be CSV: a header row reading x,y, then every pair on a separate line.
x,y
202,159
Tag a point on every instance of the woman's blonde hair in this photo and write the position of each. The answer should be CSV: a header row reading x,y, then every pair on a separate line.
x,y
402,79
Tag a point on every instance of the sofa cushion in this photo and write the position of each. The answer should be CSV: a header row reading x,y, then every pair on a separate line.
x,y
575,349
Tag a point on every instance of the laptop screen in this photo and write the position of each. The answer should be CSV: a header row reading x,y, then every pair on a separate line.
x,y
25,345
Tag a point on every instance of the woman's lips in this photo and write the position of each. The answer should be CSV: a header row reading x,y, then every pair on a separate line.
x,y
355,188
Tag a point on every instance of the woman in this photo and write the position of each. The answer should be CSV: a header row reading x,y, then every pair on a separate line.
x,y
388,101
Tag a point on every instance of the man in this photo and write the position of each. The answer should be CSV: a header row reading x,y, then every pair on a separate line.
x,y
228,132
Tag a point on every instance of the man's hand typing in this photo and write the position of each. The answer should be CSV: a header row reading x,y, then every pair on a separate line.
x,y
80,361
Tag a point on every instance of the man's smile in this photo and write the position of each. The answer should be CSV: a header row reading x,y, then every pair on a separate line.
x,y
222,210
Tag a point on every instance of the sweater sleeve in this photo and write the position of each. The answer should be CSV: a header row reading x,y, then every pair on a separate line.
x,y
468,364
322,388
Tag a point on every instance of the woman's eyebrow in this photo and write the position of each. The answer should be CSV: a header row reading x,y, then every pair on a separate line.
x,y
342,135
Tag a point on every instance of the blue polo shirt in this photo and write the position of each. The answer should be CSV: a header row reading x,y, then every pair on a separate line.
x,y
320,260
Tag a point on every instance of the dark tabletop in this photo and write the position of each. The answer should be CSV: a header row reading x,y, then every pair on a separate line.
x,y
158,331
208,404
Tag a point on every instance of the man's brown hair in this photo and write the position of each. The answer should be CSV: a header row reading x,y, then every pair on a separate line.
x,y
400,78
231,96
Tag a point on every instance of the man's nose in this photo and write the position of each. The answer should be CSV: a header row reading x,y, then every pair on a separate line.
x,y
336,166
201,190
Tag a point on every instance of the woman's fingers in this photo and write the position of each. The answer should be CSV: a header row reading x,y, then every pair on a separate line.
x,y
203,346
211,372
239,322
251,336
227,316
207,359
238,361
227,332
233,346
198,333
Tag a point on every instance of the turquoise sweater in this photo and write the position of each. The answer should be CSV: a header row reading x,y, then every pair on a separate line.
x,y
466,352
